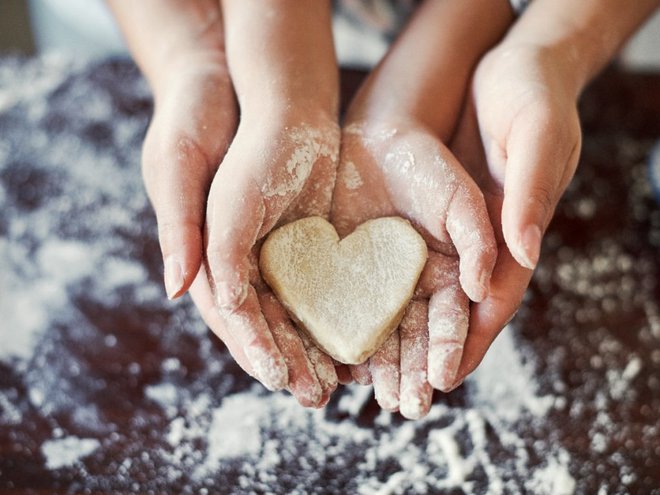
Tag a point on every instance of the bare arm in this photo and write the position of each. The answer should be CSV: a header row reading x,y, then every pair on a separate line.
x,y
394,161
585,34
523,114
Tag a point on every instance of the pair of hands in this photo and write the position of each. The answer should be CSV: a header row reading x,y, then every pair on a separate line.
x,y
219,186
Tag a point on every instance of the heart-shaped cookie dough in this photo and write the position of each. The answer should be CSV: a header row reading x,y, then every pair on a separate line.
x,y
348,294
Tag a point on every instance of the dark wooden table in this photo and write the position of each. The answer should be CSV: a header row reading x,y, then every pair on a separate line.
x,y
105,387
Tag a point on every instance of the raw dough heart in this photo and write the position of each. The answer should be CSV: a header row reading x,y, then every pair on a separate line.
x,y
348,294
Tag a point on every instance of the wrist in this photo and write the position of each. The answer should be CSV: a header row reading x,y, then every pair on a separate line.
x,y
202,68
426,72
271,125
553,68
580,36
164,37
574,60
289,100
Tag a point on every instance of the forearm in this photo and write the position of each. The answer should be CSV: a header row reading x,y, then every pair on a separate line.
x,y
425,74
164,35
583,36
281,55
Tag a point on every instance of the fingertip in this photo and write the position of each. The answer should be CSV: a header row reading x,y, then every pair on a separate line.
x,y
416,403
308,394
179,273
527,249
271,371
343,374
475,291
443,367
173,277
361,373
325,398
181,247
387,399
475,274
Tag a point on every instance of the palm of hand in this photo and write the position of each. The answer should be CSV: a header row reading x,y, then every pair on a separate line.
x,y
267,178
411,174
189,167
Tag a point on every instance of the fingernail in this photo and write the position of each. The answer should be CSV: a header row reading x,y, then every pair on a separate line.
x,y
530,246
449,365
456,385
484,277
173,277
484,280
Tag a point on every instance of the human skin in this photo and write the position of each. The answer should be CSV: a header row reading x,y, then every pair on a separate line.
x,y
394,161
522,110
183,57
219,186
519,136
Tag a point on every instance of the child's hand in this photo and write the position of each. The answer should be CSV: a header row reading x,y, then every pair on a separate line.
x,y
393,162
273,173
404,170
217,189
281,166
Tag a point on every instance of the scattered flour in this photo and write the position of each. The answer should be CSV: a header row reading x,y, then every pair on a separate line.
x,y
235,429
554,479
196,424
508,387
619,381
65,452
351,176
354,399
165,394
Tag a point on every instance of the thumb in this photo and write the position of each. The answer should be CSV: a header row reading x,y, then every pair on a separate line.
x,y
542,153
176,175
235,213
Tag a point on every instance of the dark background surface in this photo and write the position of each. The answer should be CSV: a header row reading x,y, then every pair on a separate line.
x,y
568,402
15,29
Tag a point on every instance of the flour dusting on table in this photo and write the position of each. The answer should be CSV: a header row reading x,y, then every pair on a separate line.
x,y
133,395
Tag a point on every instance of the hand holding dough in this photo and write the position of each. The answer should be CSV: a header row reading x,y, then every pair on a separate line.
x,y
348,294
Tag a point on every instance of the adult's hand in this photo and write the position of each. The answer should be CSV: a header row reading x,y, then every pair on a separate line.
x,y
519,137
